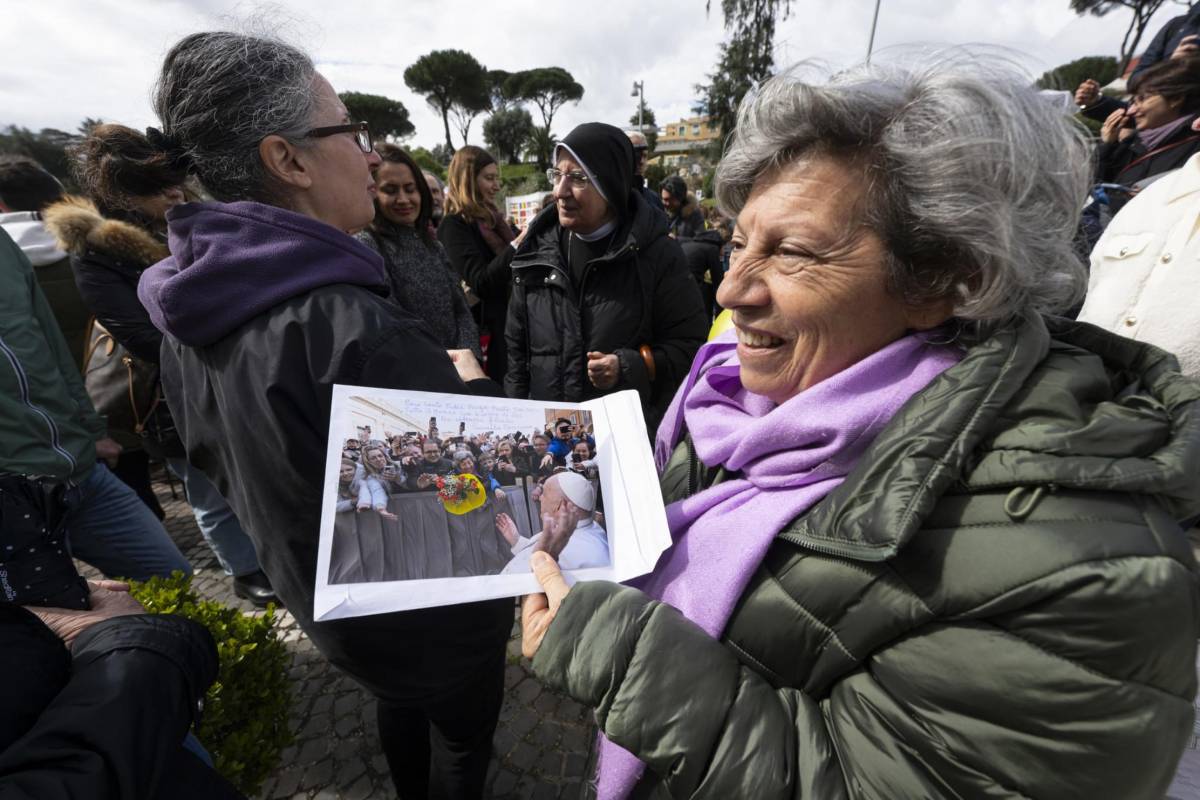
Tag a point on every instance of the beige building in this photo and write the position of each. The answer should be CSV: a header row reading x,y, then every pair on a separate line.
x,y
682,142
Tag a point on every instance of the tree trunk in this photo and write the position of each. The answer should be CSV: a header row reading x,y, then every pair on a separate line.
x,y
1142,13
446,124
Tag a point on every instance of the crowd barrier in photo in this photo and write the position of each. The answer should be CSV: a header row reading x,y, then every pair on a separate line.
x,y
426,541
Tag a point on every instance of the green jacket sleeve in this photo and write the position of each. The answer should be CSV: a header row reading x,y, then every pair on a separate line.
x,y
680,701
1005,705
60,353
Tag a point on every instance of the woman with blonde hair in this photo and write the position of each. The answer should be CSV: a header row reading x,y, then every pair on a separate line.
x,y
480,244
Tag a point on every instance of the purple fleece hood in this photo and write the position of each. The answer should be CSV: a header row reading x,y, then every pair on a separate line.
x,y
231,262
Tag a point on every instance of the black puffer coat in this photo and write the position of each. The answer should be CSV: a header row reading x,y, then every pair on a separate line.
x,y
1129,162
639,292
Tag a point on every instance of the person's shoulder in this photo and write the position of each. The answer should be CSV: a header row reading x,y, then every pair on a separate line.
x,y
1155,206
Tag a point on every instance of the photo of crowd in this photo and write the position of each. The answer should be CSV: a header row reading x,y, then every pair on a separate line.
x,y
417,501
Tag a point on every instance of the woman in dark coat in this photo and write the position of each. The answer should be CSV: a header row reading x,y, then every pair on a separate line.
x,y
419,275
1154,134
480,245
265,304
602,299
112,237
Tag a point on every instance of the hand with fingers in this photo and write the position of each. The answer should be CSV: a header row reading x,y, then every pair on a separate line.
x,y
1188,46
1087,93
1114,128
467,366
507,528
538,610
108,599
603,369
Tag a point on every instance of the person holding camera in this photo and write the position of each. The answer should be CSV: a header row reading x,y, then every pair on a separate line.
x,y
387,473
582,460
506,469
431,465
1154,135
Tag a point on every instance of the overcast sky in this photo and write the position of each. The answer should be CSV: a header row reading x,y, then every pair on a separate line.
x,y
71,59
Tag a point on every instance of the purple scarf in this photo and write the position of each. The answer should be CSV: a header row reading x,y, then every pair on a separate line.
x,y
1153,137
788,458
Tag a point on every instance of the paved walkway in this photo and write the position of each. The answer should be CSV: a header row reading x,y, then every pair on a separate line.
x,y
540,747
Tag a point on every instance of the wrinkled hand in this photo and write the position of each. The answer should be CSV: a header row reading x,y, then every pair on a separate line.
x,y
424,481
1112,129
108,599
547,460
1087,93
603,369
108,449
538,610
1188,46
508,529
466,364
557,526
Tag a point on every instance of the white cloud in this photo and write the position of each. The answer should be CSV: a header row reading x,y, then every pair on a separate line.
x,y
99,58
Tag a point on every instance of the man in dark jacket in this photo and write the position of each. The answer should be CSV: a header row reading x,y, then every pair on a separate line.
x,y
431,464
601,300
685,220
641,149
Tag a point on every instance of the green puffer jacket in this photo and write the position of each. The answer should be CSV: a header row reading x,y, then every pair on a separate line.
x,y
998,602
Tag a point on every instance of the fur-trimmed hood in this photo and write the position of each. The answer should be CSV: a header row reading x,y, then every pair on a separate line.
x,y
79,227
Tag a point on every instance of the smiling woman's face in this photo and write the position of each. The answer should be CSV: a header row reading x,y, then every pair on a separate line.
x,y
807,284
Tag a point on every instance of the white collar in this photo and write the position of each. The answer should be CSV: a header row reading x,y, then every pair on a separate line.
x,y
599,233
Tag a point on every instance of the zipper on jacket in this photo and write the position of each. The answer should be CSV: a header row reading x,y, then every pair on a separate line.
x,y
587,270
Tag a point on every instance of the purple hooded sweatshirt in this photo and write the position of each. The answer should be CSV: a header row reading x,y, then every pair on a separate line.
x,y
230,262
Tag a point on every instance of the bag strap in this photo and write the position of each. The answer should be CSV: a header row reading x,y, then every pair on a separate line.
x,y
140,420
1153,153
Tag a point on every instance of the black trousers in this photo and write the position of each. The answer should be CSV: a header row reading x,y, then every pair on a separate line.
x,y
440,749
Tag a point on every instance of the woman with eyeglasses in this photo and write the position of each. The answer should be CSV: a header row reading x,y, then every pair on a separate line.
x,y
602,299
480,244
420,279
1154,134
266,302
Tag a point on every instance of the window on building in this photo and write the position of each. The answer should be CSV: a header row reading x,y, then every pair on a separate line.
x,y
695,130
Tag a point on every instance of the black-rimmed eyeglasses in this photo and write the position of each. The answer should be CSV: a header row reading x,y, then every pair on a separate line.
x,y
361,131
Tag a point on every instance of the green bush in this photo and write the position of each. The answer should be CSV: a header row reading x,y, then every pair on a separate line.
x,y
245,721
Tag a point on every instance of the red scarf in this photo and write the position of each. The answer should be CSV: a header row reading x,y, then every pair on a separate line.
x,y
496,231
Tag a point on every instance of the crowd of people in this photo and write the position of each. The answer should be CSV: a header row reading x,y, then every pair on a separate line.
x,y
519,476
929,534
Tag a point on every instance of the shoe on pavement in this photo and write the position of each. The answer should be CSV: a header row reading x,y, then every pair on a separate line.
x,y
256,587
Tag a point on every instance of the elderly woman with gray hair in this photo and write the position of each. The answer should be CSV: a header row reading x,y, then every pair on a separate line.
x,y
266,302
925,534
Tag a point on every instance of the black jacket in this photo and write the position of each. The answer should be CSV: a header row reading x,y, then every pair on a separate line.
x,y
1128,161
688,222
444,466
108,257
638,293
107,718
489,277
253,411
